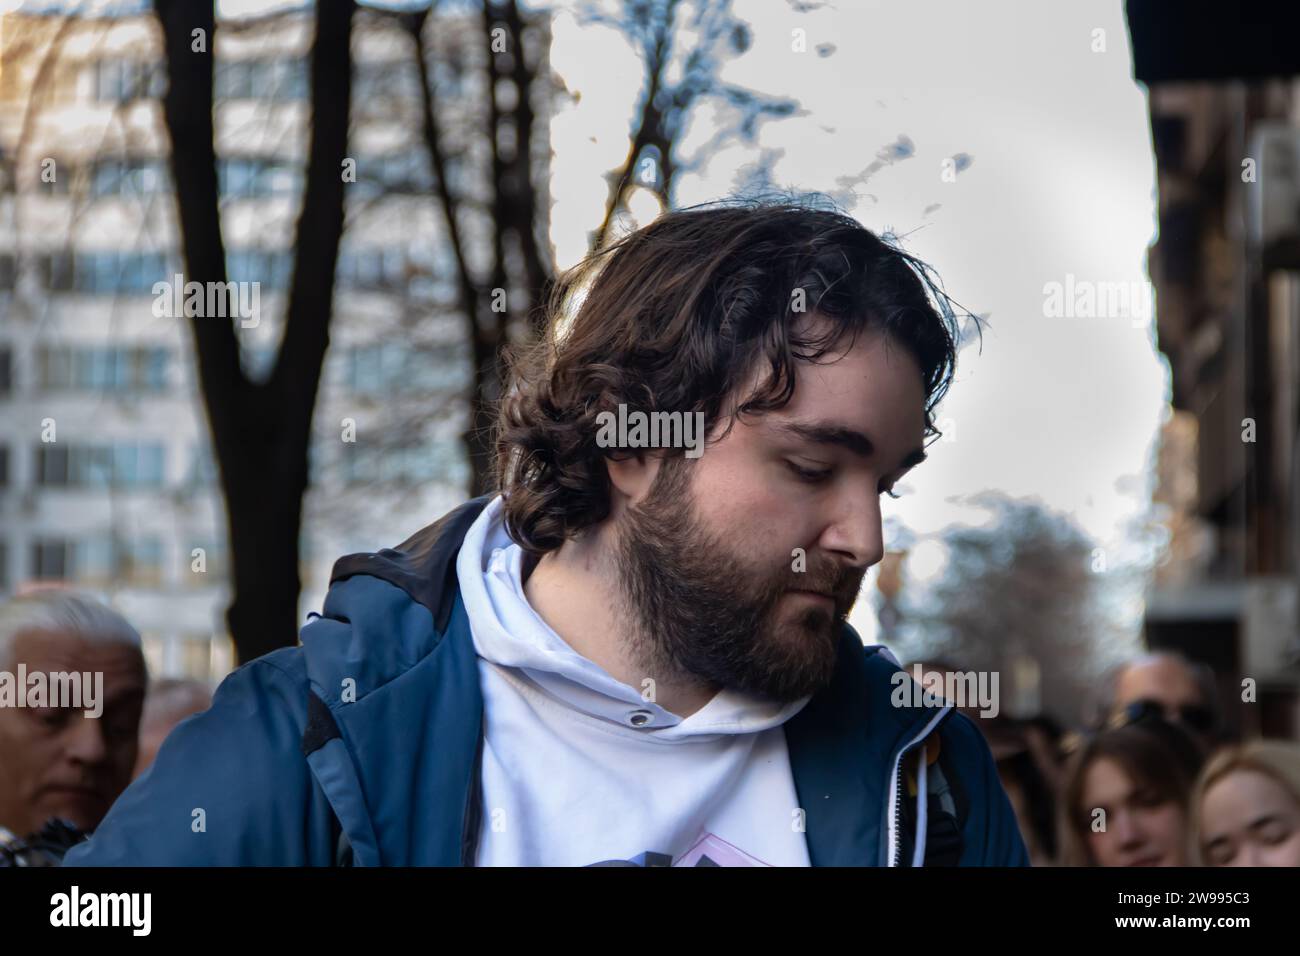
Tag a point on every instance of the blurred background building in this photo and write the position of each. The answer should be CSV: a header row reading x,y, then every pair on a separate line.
x,y
107,478
1225,122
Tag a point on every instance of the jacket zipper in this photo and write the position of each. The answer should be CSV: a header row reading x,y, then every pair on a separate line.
x,y
896,790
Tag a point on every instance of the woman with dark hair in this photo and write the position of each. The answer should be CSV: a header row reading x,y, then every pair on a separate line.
x,y
1126,796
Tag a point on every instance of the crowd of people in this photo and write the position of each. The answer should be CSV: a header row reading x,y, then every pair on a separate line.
x,y
1160,778
1159,781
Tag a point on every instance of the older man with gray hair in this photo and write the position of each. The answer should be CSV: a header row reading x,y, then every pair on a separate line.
x,y
72,683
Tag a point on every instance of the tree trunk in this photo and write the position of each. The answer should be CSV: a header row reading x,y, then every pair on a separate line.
x,y
260,431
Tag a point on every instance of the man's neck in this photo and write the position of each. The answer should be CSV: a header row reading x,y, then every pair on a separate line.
x,y
576,591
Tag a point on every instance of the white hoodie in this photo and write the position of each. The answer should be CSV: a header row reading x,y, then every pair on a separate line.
x,y
578,768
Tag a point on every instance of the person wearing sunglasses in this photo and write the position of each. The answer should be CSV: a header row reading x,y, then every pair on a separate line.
x,y
1168,685
1195,718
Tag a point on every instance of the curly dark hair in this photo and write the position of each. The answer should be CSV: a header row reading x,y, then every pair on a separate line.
x,y
677,316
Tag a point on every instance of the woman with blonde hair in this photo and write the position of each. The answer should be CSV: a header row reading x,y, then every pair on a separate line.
x,y
1246,806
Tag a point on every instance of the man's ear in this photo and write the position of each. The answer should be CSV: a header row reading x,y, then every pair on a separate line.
x,y
631,477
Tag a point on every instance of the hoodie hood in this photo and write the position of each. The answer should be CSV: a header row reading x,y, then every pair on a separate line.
x,y
509,634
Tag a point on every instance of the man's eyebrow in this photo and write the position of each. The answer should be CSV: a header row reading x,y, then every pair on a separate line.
x,y
828,433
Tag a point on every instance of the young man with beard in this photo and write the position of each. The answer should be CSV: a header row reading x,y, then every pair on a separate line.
x,y
629,656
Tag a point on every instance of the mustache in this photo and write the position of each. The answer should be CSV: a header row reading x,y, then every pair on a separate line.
x,y
835,580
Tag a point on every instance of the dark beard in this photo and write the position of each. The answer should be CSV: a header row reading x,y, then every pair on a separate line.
x,y
697,611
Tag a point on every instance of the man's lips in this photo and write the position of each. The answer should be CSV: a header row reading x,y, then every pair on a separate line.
x,y
69,791
815,594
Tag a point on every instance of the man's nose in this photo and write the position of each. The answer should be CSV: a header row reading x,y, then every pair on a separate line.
x,y
84,740
855,533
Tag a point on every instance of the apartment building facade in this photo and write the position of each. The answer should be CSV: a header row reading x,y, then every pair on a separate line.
x,y
107,479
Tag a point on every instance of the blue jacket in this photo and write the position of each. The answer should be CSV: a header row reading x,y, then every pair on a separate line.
x,y
364,743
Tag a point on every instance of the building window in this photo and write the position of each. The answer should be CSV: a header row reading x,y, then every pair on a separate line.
x,y
407,465
131,273
4,466
379,79
390,367
103,369
99,561
289,79
405,172
373,268
271,269
245,177
138,562
202,469
6,371
261,79
108,273
51,466
119,81
56,271
131,177
125,465
51,559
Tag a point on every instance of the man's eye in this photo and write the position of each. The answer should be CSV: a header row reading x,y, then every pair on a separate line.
x,y
122,727
812,476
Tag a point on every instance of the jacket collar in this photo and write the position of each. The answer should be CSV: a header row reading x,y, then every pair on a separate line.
x,y
424,565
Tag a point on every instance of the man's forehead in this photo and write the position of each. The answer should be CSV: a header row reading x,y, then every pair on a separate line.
x,y
853,383
1159,674
873,389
